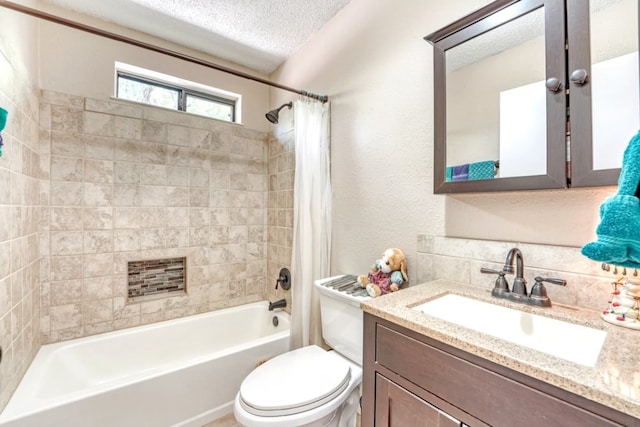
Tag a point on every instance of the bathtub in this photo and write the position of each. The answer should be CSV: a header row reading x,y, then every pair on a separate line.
x,y
182,372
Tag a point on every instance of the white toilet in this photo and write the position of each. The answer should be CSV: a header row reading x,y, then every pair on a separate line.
x,y
311,386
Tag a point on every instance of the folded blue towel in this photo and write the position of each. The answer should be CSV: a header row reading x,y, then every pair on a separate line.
x,y
482,170
460,172
449,173
618,233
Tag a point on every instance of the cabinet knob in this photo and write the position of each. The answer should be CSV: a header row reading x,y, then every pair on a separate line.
x,y
579,77
553,84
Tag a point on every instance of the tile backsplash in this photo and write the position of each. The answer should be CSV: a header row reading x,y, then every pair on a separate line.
x,y
461,259
129,182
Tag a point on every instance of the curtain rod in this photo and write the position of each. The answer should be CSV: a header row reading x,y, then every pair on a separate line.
x,y
86,28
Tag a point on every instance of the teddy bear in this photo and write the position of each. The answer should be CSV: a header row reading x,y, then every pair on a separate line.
x,y
386,275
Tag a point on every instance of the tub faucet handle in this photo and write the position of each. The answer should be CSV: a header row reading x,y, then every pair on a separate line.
x,y
284,280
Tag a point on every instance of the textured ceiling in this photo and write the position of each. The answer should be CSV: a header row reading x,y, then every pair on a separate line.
x,y
258,34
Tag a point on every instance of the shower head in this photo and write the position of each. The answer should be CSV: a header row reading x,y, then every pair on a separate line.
x,y
272,115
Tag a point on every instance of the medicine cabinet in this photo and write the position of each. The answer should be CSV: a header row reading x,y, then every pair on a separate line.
x,y
535,94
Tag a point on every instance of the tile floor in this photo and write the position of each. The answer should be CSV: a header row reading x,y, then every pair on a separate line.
x,y
226,421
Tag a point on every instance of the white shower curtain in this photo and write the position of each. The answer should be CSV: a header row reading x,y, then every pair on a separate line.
x,y
311,218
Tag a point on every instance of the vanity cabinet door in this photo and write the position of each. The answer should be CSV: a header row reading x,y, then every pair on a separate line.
x,y
397,407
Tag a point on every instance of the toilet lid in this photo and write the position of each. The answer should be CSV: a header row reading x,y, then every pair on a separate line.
x,y
294,382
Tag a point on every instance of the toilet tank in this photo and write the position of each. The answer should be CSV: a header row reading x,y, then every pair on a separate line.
x,y
341,319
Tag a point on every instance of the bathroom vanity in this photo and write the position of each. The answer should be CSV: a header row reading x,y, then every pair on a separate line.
x,y
422,371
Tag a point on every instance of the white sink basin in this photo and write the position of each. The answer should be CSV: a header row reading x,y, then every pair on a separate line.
x,y
569,341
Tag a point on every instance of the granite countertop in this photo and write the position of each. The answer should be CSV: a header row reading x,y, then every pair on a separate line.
x,y
614,381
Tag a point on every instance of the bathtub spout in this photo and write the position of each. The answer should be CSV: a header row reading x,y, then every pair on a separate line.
x,y
278,304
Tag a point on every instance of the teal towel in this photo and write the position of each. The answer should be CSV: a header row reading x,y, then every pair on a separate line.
x,y
3,118
482,170
618,234
449,173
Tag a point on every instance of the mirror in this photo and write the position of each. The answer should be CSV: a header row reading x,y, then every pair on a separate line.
x,y
614,83
495,107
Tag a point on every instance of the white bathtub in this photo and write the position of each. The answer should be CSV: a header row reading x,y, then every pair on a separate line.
x,y
182,372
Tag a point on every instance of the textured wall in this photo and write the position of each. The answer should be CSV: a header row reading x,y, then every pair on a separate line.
x,y
130,182
373,63
19,203
82,64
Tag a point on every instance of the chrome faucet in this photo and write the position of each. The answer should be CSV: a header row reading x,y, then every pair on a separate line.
x,y
277,304
519,288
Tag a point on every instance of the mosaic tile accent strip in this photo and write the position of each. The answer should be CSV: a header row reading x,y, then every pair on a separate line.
x,y
157,276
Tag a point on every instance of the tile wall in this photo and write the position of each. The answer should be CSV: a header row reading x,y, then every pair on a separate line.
x,y
19,213
280,212
461,259
129,182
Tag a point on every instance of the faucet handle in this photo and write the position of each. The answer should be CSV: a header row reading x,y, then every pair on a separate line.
x,y
501,287
538,294
559,282
538,291
284,279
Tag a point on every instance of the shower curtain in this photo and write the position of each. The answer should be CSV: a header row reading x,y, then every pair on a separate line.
x,y
311,218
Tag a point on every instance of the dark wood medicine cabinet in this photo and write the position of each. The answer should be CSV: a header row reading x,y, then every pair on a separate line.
x,y
535,94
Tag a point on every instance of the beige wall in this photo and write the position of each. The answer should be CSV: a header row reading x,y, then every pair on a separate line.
x,y
372,61
19,202
82,64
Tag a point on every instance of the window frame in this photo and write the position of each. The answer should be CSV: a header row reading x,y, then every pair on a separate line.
x,y
207,97
183,88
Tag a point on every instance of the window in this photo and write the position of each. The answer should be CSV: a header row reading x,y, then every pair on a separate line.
x,y
148,87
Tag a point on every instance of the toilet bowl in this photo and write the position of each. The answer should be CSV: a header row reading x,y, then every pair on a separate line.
x,y
311,386
305,387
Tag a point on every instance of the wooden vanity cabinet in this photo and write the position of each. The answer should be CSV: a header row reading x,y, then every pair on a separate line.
x,y
412,380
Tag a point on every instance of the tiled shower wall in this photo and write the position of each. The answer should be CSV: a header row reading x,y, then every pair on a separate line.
x,y
19,213
461,259
130,182
280,212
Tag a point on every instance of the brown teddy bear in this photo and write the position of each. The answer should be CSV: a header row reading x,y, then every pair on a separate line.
x,y
387,274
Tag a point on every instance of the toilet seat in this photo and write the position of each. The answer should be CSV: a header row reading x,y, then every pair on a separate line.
x,y
294,382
